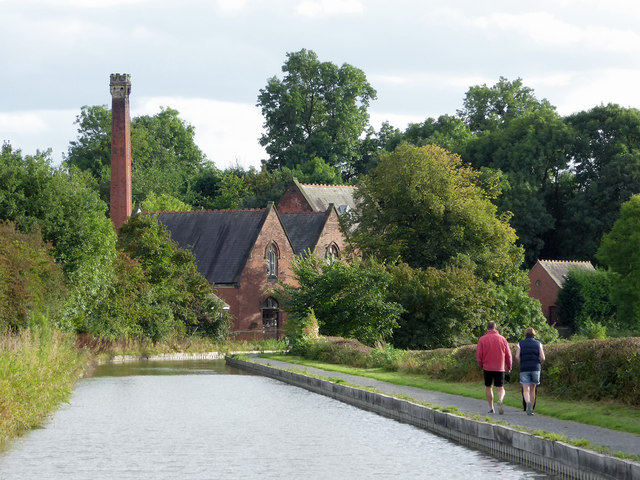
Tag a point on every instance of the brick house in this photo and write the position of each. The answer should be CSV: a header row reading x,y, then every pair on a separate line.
x,y
545,281
307,198
244,253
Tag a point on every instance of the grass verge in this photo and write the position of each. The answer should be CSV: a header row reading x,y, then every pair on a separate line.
x,y
38,368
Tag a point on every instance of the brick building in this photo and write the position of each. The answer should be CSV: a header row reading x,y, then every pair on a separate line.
x,y
545,281
307,198
244,253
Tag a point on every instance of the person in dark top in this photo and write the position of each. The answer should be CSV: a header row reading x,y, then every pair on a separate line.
x,y
530,355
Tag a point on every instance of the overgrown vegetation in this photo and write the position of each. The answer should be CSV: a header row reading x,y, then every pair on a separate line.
x,y
38,367
591,370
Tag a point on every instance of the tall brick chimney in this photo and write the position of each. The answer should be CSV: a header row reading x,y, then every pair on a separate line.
x,y
121,202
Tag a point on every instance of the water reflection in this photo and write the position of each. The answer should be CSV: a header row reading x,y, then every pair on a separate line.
x,y
201,420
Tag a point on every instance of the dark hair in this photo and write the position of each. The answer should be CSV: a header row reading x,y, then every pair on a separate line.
x,y
491,325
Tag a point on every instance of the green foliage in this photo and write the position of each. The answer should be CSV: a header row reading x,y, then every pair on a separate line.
x,y
38,368
317,110
514,311
585,297
442,307
490,108
594,370
71,217
31,283
301,331
176,284
423,206
163,203
605,156
348,300
620,250
164,156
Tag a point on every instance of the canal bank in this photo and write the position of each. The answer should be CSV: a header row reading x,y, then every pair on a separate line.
x,y
506,440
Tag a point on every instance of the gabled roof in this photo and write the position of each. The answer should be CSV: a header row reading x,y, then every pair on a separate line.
x,y
304,229
221,240
320,197
558,269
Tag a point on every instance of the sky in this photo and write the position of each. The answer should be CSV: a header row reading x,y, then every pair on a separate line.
x,y
209,59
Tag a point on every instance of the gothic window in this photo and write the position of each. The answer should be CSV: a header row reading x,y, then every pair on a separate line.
x,y
332,253
272,261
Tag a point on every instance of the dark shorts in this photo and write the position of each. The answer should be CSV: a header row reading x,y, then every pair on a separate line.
x,y
497,378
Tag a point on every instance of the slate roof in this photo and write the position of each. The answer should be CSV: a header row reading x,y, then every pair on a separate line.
x,y
321,196
558,269
304,229
221,240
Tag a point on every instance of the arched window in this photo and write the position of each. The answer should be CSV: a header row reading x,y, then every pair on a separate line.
x,y
332,253
272,261
270,317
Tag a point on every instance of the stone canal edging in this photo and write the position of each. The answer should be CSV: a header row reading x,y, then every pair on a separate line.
x,y
173,356
553,457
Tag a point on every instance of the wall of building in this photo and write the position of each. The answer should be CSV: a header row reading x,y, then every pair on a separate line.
x,y
254,285
330,234
543,288
293,201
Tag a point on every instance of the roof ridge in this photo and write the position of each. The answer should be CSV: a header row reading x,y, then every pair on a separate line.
x,y
565,261
327,185
211,211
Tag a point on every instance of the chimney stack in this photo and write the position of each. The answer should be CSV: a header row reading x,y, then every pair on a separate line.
x,y
121,202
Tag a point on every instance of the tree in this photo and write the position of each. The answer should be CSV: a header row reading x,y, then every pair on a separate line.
x,y
605,157
172,273
443,308
490,108
586,297
348,300
423,206
70,216
31,283
164,156
620,251
530,151
317,110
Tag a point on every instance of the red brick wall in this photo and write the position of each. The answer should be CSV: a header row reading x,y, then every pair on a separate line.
x,y
543,288
246,301
293,201
121,203
330,234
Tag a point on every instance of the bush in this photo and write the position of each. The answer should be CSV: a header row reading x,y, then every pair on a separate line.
x,y
594,369
31,283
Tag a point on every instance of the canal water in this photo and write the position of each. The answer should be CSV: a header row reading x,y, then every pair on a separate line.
x,y
204,420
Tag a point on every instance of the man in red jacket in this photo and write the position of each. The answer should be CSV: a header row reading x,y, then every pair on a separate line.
x,y
494,357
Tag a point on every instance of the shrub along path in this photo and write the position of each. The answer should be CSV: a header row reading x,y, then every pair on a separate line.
x,y
614,441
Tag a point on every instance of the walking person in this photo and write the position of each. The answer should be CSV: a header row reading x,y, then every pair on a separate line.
x,y
494,357
530,355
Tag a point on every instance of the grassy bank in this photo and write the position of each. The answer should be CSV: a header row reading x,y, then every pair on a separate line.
x,y
591,398
38,368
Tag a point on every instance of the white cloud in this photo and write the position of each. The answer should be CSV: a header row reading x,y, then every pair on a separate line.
x,y
39,130
226,132
592,88
546,29
231,6
329,7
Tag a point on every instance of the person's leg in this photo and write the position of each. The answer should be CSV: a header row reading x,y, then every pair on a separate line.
x,y
526,394
489,393
531,391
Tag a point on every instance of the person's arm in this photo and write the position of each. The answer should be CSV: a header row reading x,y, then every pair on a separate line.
x,y
542,357
518,353
479,354
508,357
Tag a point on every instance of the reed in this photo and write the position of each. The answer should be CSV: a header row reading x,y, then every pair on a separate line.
x,y
38,368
